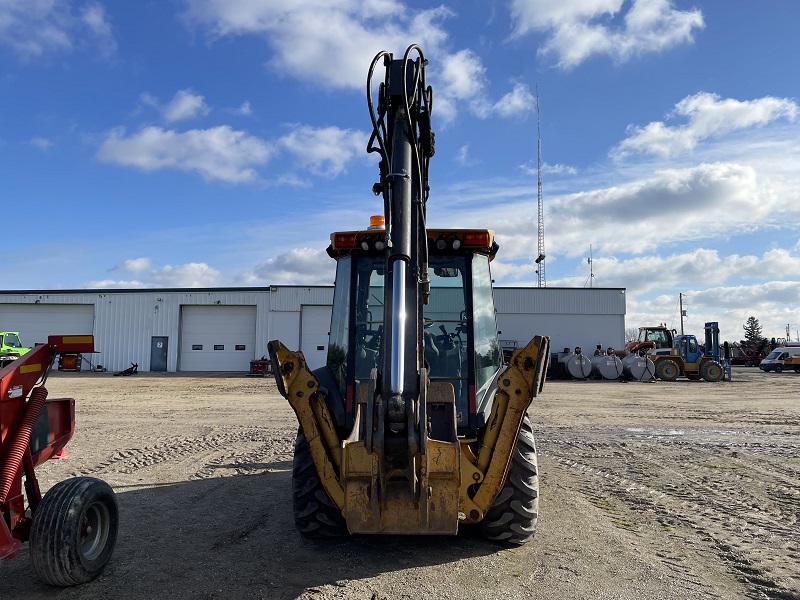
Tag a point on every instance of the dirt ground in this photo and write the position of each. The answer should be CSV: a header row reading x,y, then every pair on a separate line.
x,y
648,490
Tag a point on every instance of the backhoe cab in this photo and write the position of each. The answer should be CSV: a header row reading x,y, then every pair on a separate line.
x,y
415,424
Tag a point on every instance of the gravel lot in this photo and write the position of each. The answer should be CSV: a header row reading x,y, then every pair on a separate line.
x,y
648,490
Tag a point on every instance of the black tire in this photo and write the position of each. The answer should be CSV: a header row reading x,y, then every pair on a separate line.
x,y
513,515
315,514
712,371
778,368
74,531
668,370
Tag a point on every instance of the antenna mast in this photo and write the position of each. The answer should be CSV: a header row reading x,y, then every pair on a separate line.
x,y
540,272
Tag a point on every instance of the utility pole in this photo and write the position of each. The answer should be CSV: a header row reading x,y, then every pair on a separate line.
x,y
540,272
683,312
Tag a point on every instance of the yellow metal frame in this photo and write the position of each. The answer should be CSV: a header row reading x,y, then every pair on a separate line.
x,y
454,485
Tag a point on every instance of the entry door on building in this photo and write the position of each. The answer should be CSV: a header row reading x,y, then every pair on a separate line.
x,y
158,353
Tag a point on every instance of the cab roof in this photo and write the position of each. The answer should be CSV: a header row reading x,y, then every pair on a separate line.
x,y
443,240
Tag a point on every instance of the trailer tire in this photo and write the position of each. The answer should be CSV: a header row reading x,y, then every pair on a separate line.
x,y
315,514
513,515
668,370
74,531
712,371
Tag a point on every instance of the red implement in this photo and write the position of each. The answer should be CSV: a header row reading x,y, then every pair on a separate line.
x,y
32,429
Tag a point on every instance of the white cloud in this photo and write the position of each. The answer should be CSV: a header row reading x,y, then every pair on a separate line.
x,y
185,104
671,206
698,267
579,29
216,153
462,156
326,150
244,109
559,169
189,275
532,168
461,82
516,102
33,28
707,116
773,303
297,266
133,265
305,34
93,16
41,143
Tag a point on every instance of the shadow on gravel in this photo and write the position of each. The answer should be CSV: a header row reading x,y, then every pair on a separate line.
x,y
235,537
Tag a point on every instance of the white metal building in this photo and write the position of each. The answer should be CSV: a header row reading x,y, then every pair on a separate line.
x,y
571,317
223,329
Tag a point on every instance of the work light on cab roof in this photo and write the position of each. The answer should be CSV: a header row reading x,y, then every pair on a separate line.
x,y
374,239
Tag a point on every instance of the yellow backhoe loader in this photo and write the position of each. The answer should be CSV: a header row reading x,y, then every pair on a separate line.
x,y
415,425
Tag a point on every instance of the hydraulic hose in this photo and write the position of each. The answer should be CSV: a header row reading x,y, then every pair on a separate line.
x,y
19,440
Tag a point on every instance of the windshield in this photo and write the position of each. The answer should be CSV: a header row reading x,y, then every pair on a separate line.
x,y
12,340
773,355
658,336
459,328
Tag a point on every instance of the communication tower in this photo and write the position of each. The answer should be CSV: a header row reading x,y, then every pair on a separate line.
x,y
540,270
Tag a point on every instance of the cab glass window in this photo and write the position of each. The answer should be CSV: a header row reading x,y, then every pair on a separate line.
x,y
488,358
337,346
445,328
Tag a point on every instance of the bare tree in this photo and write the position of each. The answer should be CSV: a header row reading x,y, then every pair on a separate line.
x,y
631,333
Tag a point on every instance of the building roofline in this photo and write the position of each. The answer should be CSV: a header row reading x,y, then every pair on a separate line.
x,y
160,290
267,288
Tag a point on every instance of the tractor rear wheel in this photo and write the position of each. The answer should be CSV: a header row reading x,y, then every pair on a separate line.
x,y
513,515
315,514
74,531
668,370
711,371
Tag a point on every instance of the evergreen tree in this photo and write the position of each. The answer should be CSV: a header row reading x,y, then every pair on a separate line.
x,y
752,330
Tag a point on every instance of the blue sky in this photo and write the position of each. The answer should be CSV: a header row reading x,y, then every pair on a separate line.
x,y
219,142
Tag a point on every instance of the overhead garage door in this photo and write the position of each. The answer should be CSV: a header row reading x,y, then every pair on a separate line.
x,y
37,321
217,338
315,322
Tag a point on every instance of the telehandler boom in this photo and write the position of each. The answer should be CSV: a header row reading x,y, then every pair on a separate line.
x,y
415,424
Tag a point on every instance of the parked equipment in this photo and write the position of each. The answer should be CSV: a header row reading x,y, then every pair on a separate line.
x,y
687,358
749,354
792,362
415,425
11,347
783,357
652,338
72,530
